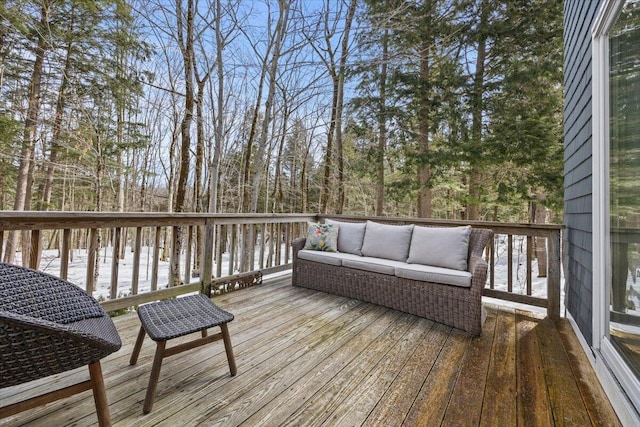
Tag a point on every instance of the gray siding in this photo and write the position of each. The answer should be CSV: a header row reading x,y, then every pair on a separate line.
x,y
578,19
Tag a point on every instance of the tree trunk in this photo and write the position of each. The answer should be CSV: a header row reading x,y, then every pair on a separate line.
x,y
475,173
30,124
382,126
424,170
280,32
186,46
340,103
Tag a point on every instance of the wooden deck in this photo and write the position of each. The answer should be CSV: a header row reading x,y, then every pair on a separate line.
x,y
308,358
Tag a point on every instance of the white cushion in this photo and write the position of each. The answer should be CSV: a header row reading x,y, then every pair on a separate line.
x,y
426,273
446,247
375,265
350,237
387,241
331,258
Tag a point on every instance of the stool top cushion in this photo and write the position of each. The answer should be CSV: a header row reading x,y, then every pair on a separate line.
x,y
181,316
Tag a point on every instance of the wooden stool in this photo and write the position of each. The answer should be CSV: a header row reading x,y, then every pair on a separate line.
x,y
174,318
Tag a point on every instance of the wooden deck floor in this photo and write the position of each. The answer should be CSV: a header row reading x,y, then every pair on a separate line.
x,y
308,358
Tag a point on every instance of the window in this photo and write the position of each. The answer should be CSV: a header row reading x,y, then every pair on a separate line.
x,y
616,192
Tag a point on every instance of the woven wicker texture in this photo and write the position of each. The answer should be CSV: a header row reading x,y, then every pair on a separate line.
x,y
451,305
48,326
181,316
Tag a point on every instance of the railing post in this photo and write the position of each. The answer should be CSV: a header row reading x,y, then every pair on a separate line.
x,y
64,256
553,281
206,263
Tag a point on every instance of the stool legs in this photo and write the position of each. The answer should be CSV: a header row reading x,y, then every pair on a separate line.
x,y
137,347
228,349
161,352
155,374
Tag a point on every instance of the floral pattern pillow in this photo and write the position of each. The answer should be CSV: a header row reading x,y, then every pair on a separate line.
x,y
322,237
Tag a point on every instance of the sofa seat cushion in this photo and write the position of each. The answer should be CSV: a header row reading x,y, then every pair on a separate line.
x,y
331,258
375,265
427,273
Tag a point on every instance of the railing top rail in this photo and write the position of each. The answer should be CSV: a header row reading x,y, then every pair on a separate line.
x,y
35,220
433,221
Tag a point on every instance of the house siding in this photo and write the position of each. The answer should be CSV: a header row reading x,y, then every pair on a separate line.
x,y
578,20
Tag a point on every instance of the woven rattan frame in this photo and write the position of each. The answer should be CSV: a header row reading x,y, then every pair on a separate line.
x,y
454,306
49,326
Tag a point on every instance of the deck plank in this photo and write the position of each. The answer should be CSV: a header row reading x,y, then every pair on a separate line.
x,y
499,406
563,390
465,405
429,407
310,358
395,403
355,409
533,401
326,400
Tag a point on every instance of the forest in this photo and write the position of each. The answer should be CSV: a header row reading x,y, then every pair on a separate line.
x,y
427,108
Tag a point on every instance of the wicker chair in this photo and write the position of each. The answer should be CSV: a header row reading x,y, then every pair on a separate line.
x,y
49,326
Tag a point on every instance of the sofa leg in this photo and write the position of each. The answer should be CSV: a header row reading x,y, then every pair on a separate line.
x,y
99,395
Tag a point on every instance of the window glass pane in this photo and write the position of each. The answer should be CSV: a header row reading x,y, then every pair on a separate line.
x,y
624,184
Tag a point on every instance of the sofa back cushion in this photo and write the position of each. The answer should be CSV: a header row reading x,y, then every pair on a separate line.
x,y
446,247
387,241
350,237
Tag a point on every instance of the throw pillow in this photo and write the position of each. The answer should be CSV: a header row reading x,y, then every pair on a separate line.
x,y
446,247
387,241
350,237
322,237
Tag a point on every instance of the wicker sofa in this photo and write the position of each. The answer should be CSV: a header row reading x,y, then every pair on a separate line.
x,y
381,271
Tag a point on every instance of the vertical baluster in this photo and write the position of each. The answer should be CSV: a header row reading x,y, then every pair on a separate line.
x,y
220,235
287,245
206,263
187,261
529,258
1,242
64,256
278,243
263,240
136,261
272,238
232,248
91,260
492,262
553,274
115,262
510,263
156,259
34,257
252,248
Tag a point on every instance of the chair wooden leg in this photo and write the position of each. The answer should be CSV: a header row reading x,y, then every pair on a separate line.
x,y
155,374
227,347
137,347
99,395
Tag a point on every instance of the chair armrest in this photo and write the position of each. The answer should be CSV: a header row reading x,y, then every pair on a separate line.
x,y
297,245
478,268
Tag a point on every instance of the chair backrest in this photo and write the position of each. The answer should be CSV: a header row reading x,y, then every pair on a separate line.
x,y
43,296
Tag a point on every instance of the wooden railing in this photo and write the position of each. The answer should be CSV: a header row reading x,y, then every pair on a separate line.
x,y
217,234
269,251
